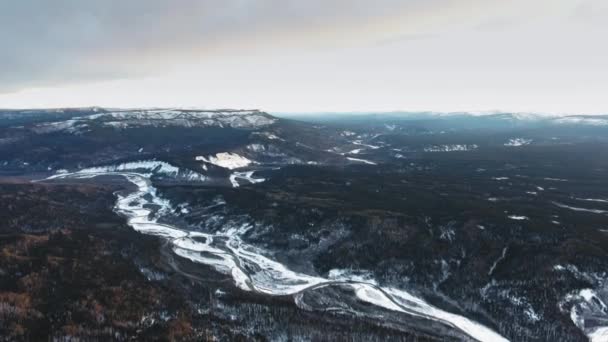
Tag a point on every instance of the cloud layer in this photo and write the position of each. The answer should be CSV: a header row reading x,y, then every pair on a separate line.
x,y
66,42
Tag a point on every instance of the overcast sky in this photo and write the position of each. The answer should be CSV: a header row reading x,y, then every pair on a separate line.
x,y
307,55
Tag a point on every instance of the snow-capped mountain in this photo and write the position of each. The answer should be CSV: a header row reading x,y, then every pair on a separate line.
x,y
125,119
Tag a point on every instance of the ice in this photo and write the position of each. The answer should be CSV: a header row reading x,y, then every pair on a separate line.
x,y
518,218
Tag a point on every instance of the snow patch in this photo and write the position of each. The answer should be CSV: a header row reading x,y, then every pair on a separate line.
x,y
361,161
226,160
518,142
450,148
594,211
247,176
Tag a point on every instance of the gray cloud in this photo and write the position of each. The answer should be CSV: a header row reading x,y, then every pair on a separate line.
x,y
54,42
66,41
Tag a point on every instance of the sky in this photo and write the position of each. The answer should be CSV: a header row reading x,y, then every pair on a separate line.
x,y
547,56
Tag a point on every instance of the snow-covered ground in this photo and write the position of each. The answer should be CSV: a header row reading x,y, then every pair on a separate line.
x,y
250,267
359,160
587,210
598,335
518,142
226,160
145,167
450,148
246,175
588,303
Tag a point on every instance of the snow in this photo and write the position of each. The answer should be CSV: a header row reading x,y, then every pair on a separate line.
x,y
361,161
150,167
248,176
226,160
250,267
269,136
273,137
582,121
123,119
587,303
360,143
599,200
256,147
471,328
594,211
351,275
516,142
501,258
450,148
599,335
532,315
587,294
372,295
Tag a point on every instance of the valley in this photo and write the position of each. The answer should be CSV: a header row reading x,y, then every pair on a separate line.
x,y
412,226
